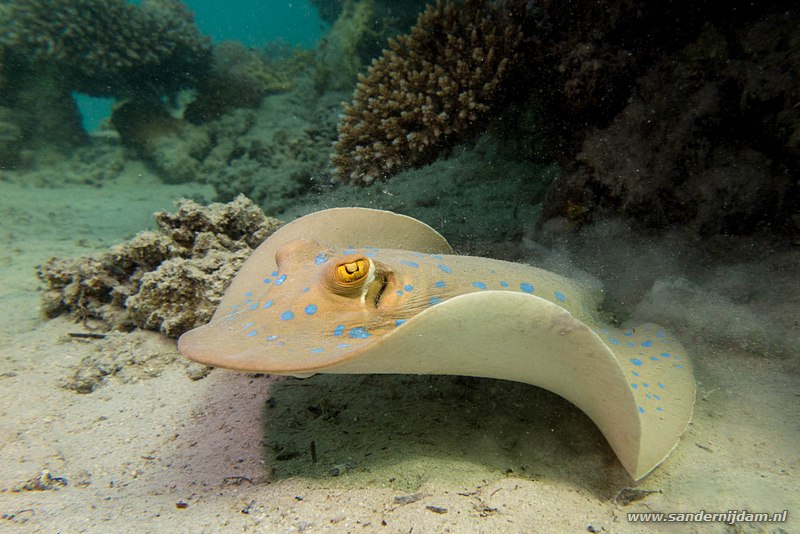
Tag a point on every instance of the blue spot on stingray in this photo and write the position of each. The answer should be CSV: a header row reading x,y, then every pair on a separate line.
x,y
267,304
359,332
503,283
410,263
280,280
248,325
234,306
305,289
645,384
479,285
272,338
654,358
253,306
613,340
274,273
662,386
647,343
339,330
399,293
641,410
636,361
659,409
251,333
634,373
656,397
635,386
287,315
267,280
665,355
437,256
311,309
399,322
434,301
248,300
526,287
408,287
629,334
679,366
440,284
317,350
445,268
560,296
248,294
631,344
350,250
648,396
343,345
660,333
320,259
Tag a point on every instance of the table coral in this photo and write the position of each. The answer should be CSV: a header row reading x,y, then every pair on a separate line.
x,y
110,48
432,88
169,280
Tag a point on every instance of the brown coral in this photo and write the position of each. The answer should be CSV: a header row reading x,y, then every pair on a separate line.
x,y
239,78
432,88
169,280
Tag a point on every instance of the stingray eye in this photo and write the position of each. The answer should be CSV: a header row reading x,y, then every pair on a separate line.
x,y
350,276
352,271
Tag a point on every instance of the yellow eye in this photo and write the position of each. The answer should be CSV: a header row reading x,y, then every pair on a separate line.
x,y
352,271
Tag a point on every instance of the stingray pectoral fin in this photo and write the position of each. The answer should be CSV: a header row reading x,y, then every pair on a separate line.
x,y
520,337
339,228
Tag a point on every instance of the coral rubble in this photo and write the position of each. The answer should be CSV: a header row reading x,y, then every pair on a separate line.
x,y
169,280
432,88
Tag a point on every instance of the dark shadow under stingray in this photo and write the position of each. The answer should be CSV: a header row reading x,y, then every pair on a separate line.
x,y
372,429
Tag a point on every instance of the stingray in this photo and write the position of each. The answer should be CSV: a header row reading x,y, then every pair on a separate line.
x,y
357,290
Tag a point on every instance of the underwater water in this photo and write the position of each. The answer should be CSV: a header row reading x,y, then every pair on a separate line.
x,y
578,305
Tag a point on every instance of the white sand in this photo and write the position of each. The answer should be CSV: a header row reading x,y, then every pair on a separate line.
x,y
135,453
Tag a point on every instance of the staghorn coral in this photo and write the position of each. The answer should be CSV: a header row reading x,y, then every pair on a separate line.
x,y
169,280
432,88
109,48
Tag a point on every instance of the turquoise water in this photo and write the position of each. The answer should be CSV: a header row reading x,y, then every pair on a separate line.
x,y
251,22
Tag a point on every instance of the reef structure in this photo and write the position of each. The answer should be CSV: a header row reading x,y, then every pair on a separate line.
x,y
432,88
109,48
168,280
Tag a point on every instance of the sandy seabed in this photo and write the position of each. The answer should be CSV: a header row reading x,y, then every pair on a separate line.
x,y
160,451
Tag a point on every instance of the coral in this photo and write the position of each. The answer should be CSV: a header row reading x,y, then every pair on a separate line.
x,y
707,140
10,138
109,48
169,280
432,88
345,48
172,145
239,78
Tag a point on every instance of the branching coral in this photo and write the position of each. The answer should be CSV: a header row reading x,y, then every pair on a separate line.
x,y
108,48
432,88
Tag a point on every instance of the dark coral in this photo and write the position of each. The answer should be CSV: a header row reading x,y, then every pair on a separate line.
x,y
169,280
108,48
431,89
238,78
709,138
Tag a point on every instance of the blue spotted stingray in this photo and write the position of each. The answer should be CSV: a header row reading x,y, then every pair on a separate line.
x,y
355,290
